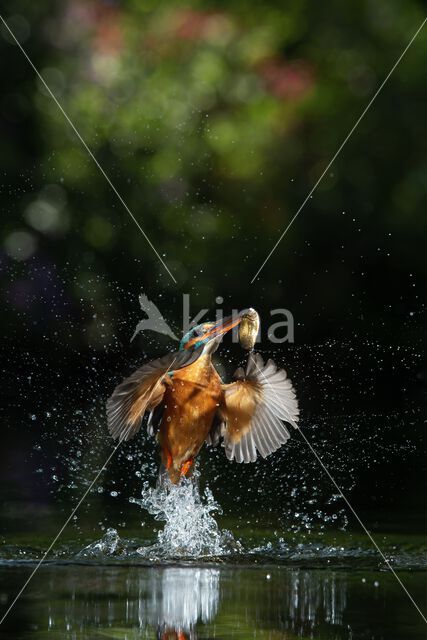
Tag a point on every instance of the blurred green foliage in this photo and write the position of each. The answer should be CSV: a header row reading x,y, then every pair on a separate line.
x,y
214,120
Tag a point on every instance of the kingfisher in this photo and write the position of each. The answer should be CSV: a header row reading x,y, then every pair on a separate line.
x,y
189,405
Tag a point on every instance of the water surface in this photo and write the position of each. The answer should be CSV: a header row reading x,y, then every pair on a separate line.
x,y
127,602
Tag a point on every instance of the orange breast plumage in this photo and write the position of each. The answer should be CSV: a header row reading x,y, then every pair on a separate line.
x,y
191,401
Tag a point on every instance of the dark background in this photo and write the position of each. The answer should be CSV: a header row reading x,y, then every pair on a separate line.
x,y
214,120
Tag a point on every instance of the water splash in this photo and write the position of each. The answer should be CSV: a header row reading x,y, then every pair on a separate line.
x,y
109,545
190,529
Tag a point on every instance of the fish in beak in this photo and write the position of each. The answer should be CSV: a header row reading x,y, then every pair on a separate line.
x,y
248,321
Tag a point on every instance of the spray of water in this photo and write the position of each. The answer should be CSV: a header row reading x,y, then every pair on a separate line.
x,y
190,529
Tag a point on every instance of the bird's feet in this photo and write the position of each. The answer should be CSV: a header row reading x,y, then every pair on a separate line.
x,y
168,457
185,468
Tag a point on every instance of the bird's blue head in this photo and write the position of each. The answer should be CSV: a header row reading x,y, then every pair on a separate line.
x,y
208,333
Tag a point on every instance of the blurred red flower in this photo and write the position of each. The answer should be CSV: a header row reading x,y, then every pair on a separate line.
x,y
286,80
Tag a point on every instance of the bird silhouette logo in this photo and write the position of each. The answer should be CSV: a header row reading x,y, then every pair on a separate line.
x,y
154,321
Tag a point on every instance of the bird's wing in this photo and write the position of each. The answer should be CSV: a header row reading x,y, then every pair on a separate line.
x,y
216,431
143,391
254,408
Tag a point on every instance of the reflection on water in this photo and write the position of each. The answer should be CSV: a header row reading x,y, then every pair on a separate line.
x,y
171,600
314,599
174,600
178,598
86,602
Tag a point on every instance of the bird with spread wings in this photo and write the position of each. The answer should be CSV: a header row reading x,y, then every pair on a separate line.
x,y
189,405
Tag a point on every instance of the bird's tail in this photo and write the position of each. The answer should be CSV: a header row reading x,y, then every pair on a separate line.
x,y
168,477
